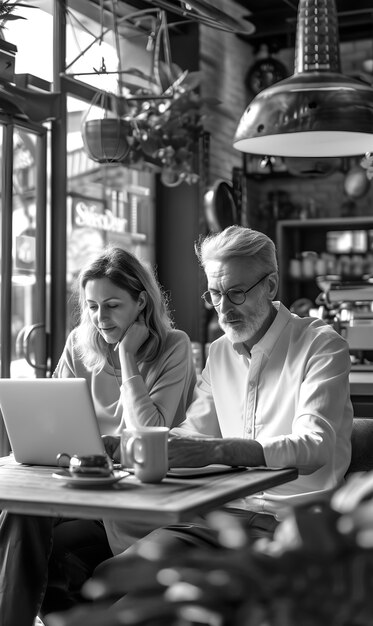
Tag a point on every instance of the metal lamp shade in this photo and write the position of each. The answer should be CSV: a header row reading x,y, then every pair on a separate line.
x,y
317,112
106,140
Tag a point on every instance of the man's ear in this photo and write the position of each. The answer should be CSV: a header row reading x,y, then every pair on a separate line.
x,y
273,284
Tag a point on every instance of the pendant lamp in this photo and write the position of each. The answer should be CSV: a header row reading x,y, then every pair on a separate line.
x,y
318,111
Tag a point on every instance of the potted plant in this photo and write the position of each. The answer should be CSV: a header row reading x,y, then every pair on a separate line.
x,y
7,49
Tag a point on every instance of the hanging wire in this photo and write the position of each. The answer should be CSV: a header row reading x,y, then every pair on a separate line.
x,y
114,6
125,19
101,38
71,17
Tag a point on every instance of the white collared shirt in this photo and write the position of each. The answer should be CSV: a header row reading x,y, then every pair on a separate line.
x,y
292,395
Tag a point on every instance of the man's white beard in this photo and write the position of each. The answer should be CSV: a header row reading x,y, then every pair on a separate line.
x,y
248,328
237,335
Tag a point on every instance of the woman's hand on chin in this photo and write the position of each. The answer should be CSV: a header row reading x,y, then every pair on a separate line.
x,y
134,338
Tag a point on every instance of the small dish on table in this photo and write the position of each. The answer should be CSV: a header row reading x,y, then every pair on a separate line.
x,y
89,482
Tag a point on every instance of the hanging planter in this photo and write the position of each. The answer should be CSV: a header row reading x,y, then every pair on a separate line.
x,y
106,140
104,133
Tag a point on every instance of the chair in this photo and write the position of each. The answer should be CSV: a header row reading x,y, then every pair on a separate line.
x,y
362,445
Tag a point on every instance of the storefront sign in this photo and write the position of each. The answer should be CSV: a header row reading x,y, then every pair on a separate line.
x,y
90,215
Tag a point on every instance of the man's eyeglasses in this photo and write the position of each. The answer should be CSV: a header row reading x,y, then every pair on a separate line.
x,y
235,296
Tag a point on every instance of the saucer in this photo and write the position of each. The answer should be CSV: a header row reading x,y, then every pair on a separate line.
x,y
89,481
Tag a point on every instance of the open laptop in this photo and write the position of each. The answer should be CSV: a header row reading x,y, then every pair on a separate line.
x,y
45,416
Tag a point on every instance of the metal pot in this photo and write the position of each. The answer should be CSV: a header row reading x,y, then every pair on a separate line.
x,y
220,206
356,183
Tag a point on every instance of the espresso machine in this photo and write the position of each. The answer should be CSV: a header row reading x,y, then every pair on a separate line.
x,y
348,306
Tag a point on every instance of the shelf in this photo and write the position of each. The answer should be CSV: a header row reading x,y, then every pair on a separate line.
x,y
346,223
270,176
300,279
295,237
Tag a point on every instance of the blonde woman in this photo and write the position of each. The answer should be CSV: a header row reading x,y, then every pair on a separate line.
x,y
140,373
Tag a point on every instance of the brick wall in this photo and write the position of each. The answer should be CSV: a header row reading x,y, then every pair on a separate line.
x,y
224,60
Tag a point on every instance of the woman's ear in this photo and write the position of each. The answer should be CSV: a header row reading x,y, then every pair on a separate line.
x,y
142,300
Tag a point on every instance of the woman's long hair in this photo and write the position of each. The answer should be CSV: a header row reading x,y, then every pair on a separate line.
x,y
128,273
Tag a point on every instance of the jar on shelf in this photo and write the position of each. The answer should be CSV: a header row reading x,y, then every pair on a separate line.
x,y
357,265
344,265
295,268
320,266
309,259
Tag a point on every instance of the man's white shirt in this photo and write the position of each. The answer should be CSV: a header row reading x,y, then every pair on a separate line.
x,y
292,395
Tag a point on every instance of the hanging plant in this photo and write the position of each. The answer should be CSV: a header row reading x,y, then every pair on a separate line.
x,y
167,116
156,118
167,130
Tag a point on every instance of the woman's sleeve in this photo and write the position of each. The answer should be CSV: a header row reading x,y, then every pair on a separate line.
x,y
166,391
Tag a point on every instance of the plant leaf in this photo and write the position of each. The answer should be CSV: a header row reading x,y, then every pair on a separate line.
x,y
133,71
192,80
135,79
168,74
9,18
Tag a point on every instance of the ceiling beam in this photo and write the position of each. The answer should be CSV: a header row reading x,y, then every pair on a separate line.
x,y
277,21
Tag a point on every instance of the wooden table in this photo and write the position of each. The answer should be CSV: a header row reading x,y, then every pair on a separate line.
x,y
33,490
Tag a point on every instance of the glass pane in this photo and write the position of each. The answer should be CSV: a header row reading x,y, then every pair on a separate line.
x,y
28,341
92,45
1,208
107,204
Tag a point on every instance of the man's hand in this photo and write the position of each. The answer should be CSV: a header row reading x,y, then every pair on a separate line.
x,y
199,451
112,446
192,452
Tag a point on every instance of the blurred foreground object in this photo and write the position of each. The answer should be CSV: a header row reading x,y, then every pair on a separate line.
x,y
318,570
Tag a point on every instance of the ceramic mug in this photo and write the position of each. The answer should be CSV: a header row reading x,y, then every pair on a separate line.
x,y
87,464
126,435
147,451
